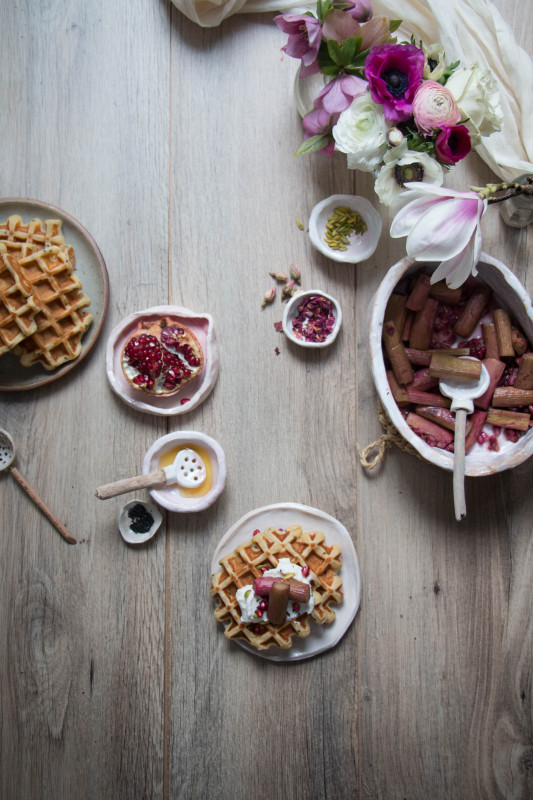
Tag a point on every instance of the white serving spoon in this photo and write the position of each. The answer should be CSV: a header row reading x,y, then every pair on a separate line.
x,y
188,470
462,395
7,456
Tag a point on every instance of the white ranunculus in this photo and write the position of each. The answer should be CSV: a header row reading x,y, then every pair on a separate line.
x,y
477,95
397,170
361,133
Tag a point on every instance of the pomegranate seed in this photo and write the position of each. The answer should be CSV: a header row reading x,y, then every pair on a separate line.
x,y
185,400
256,532
296,606
305,571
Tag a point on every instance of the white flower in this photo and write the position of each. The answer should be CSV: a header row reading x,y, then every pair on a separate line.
x,y
442,225
477,95
361,133
435,64
402,165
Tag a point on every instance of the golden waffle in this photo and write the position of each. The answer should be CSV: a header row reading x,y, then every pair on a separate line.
x,y
17,304
243,565
15,234
61,319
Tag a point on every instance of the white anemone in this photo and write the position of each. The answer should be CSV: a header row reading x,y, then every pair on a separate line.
x,y
389,182
441,225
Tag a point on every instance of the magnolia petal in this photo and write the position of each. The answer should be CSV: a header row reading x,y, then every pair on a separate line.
x,y
456,270
443,231
409,216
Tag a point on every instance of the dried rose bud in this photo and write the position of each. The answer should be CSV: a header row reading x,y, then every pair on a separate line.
x,y
296,275
269,297
279,276
288,290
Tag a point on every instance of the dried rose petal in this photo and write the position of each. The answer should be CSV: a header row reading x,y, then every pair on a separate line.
x,y
314,321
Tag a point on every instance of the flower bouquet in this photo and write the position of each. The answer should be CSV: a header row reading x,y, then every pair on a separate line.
x,y
397,110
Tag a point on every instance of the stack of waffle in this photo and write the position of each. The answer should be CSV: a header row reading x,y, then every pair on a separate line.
x,y
243,565
42,305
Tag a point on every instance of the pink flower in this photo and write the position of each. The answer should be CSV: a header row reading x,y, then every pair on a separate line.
x,y
338,94
441,225
319,122
453,144
360,10
434,106
394,72
305,35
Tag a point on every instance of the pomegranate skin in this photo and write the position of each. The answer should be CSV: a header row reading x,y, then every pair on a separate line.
x,y
161,357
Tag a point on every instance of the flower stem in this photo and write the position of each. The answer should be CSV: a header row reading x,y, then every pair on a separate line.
x,y
497,192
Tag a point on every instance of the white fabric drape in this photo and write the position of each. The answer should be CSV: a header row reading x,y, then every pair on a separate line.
x,y
473,31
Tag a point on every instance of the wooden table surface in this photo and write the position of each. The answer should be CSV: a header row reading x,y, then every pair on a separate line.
x,y
173,145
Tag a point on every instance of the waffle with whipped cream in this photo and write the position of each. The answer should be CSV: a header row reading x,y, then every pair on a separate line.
x,y
265,549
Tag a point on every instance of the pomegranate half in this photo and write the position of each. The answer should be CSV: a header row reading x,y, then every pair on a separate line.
x,y
161,357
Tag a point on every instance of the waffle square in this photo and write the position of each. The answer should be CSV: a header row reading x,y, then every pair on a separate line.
x,y
61,319
17,304
267,547
15,234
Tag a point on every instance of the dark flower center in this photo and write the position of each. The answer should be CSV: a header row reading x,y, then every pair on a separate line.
x,y
408,172
432,64
396,81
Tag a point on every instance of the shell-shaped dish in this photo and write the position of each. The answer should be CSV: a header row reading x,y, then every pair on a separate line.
x,y
361,246
291,309
195,392
124,522
513,297
173,497
322,637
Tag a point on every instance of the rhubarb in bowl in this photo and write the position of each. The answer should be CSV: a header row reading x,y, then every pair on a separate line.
x,y
411,320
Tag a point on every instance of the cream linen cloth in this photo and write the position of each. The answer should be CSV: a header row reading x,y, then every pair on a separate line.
x,y
472,31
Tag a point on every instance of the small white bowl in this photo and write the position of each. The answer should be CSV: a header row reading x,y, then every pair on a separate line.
x,y
124,522
360,247
512,295
291,309
171,497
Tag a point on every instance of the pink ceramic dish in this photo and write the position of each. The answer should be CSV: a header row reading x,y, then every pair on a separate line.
x,y
194,392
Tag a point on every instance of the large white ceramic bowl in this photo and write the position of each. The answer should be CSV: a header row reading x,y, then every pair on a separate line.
x,y
513,296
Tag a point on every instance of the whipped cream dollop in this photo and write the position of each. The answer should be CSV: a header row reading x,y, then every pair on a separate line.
x,y
249,601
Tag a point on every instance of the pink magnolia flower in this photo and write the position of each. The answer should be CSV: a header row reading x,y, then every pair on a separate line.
x,y
453,144
394,73
305,36
339,94
441,225
434,106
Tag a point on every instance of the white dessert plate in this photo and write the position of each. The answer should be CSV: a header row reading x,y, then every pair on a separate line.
x,y
91,270
322,637
360,246
194,392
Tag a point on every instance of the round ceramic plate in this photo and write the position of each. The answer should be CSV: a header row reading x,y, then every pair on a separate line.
x,y
322,637
194,392
91,270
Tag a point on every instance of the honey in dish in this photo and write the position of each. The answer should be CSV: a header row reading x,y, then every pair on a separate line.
x,y
168,457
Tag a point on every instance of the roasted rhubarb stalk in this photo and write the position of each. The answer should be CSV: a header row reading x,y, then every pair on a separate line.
x,y
524,377
419,293
441,292
511,397
441,416
298,590
504,333
396,352
278,600
422,381
455,369
420,358
477,420
396,310
473,310
488,331
520,343
422,327
508,419
439,436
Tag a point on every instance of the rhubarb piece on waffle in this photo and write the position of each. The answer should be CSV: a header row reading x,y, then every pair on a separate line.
x,y
311,556
17,304
16,234
161,357
61,319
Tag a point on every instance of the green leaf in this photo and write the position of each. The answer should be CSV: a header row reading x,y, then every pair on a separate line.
x,y
313,144
394,24
334,50
349,49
